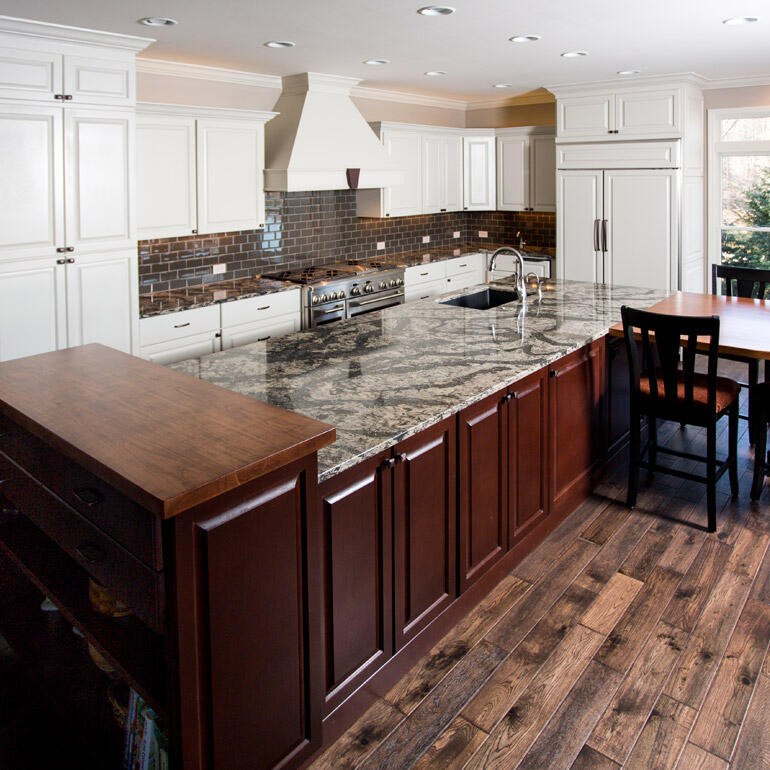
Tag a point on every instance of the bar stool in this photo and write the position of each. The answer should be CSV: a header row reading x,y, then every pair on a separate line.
x,y
660,390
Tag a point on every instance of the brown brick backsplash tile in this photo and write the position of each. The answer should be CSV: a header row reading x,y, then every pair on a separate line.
x,y
311,228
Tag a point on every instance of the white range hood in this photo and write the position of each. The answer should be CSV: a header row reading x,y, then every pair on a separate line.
x,y
319,136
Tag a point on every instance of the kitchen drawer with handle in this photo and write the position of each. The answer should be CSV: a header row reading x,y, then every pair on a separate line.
x,y
466,264
20,446
243,311
135,584
424,273
161,328
244,334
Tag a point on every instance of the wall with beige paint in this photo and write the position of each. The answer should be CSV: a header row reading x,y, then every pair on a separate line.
x,y
515,115
748,96
377,110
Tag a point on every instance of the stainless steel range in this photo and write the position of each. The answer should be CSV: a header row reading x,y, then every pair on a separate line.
x,y
345,290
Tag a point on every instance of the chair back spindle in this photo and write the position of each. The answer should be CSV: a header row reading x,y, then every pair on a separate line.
x,y
744,278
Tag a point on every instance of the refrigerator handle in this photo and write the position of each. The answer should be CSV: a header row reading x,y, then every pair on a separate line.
x,y
604,235
596,235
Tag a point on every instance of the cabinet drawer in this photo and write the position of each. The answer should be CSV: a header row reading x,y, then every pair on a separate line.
x,y
260,308
171,351
425,290
101,557
185,323
463,281
466,264
424,273
243,334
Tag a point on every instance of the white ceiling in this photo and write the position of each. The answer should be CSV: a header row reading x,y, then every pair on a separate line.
x,y
335,36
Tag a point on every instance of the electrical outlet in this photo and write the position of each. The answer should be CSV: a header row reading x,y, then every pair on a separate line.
x,y
426,239
456,234
380,245
483,234
220,268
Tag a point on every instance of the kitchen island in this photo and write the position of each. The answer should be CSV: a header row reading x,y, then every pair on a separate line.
x,y
280,581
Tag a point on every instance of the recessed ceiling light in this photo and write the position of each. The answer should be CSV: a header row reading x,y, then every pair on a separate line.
x,y
436,10
574,54
435,73
628,72
503,85
733,20
524,38
375,62
280,44
158,21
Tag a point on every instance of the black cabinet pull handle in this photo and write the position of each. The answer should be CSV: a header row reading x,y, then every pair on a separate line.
x,y
90,553
88,495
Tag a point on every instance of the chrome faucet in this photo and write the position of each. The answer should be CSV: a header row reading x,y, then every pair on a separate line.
x,y
519,273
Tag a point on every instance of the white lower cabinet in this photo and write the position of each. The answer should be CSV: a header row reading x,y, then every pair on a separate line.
x,y
259,331
428,280
425,289
258,318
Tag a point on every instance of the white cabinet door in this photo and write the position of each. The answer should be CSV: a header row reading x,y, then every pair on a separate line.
x,y
98,81
101,300
433,178
230,187
641,228
512,173
165,176
582,117
578,210
542,151
453,173
648,114
405,148
32,186
99,179
28,74
479,176
33,318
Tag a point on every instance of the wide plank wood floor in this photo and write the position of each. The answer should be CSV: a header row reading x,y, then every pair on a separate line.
x,y
628,639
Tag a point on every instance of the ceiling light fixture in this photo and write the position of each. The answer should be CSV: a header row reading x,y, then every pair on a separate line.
x,y
435,73
436,10
574,54
158,21
279,44
503,85
524,38
734,20
376,62
628,72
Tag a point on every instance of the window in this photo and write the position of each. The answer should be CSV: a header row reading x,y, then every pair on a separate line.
x,y
739,187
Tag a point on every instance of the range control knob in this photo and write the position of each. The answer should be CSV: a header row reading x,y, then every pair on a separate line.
x,y
341,294
355,291
400,282
383,285
315,299
393,282
324,298
368,288
332,295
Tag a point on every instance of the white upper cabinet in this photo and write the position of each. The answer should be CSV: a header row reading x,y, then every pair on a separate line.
x,y
99,179
89,80
442,178
584,117
648,114
406,150
32,184
479,173
526,170
30,74
165,176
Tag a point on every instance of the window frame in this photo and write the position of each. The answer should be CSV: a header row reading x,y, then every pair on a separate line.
x,y
719,148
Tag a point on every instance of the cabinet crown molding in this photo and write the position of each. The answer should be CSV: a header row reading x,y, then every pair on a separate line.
x,y
62,33
621,85
182,110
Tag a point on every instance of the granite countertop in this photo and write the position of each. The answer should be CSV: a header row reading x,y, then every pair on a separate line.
x,y
387,375
161,302
439,254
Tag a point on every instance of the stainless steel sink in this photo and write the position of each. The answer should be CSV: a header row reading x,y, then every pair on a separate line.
x,y
485,299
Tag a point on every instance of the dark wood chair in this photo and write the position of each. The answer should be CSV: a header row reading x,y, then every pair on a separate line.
x,y
743,282
661,390
760,411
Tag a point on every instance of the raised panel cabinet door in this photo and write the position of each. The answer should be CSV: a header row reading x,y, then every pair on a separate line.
x,y
99,179
424,527
648,114
33,317
576,436
640,213
482,480
512,173
89,80
453,174
585,117
542,151
247,622
479,174
32,189
357,563
165,177
29,74
231,160
527,455
405,147
102,301
433,173
578,218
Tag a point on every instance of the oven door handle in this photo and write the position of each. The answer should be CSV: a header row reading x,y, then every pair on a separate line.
x,y
329,309
377,299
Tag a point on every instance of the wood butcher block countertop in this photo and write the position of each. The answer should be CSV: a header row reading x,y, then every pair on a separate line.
x,y
166,440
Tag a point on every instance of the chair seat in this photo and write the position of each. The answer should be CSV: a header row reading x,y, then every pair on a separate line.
x,y
727,389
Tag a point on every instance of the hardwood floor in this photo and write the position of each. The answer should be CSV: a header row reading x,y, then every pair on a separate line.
x,y
628,639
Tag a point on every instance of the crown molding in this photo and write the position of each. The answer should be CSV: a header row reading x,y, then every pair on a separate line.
x,y
753,80
620,83
201,72
62,33
404,97
184,110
